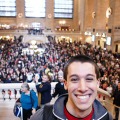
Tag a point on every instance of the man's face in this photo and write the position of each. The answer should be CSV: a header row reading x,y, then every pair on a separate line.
x,y
82,86
45,78
60,78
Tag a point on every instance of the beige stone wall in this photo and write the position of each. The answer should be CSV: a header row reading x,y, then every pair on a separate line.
x,y
99,7
116,12
100,22
81,21
89,8
45,22
102,6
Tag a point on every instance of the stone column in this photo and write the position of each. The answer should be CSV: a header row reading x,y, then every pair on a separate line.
x,y
94,15
81,14
20,16
110,23
50,14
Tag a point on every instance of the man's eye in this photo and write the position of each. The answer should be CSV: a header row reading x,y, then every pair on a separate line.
x,y
89,79
74,79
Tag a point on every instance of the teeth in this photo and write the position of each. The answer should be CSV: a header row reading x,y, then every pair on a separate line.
x,y
83,97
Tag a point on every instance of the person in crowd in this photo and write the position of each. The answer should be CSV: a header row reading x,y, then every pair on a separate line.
x,y
59,87
22,75
104,85
28,100
3,93
60,72
43,90
80,74
9,94
116,101
29,76
15,93
109,89
55,79
8,79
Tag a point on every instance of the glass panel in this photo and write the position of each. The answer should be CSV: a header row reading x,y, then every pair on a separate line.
x,y
63,9
35,8
7,7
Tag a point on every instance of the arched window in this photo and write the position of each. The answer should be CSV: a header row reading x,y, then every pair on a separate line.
x,y
35,8
63,8
8,8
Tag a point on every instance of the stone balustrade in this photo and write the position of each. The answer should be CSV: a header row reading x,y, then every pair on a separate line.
x,y
107,101
9,90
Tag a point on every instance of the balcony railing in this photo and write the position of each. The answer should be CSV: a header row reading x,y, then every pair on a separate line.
x,y
12,90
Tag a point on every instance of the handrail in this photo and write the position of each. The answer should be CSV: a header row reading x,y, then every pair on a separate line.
x,y
105,98
103,92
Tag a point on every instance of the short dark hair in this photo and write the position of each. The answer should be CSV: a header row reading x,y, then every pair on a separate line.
x,y
82,59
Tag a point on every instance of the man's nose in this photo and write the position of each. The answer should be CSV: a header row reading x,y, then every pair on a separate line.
x,y
82,85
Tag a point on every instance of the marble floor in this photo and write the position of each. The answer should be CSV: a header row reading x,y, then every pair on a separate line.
x,y
6,110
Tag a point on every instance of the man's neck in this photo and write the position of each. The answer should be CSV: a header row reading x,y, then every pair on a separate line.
x,y
77,112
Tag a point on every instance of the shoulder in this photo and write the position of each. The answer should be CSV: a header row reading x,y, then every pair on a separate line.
x,y
32,92
100,111
110,116
22,93
58,84
44,113
48,83
38,115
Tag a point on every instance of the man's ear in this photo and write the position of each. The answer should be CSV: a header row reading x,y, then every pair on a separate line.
x,y
98,84
65,84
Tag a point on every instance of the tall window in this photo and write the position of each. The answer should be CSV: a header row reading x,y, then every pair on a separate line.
x,y
35,8
8,8
63,9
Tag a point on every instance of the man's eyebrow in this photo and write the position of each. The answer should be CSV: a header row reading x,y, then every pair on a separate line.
x,y
75,75
90,75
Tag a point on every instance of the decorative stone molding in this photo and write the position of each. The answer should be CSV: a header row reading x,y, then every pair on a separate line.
x,y
108,12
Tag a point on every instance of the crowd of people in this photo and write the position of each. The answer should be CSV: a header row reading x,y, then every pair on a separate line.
x,y
17,67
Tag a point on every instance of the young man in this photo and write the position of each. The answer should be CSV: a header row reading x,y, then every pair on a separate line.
x,y
80,74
